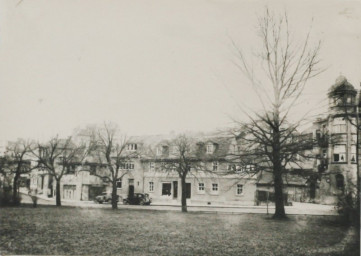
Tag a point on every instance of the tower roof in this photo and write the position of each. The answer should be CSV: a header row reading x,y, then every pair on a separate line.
x,y
341,87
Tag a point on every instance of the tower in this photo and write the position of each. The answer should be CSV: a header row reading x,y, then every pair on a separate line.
x,y
340,176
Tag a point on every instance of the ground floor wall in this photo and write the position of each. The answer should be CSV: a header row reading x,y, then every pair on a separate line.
x,y
206,190
338,180
292,193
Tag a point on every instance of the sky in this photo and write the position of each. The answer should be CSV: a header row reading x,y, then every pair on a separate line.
x,y
151,66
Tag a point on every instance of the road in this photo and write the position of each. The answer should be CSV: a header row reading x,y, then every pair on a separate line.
x,y
295,209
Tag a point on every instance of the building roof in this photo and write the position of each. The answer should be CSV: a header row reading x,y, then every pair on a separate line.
x,y
341,86
289,178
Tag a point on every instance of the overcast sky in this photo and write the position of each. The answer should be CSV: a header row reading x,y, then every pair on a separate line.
x,y
152,66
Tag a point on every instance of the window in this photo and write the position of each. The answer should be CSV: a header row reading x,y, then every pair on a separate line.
x,y
70,169
151,186
324,153
249,167
354,138
239,189
339,153
340,181
215,187
353,153
231,167
127,166
234,149
151,166
159,151
200,186
350,100
93,169
166,189
119,183
215,166
339,125
209,148
132,147
165,150
353,126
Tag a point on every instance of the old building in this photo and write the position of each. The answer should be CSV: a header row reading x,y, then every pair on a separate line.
x,y
211,180
336,136
216,178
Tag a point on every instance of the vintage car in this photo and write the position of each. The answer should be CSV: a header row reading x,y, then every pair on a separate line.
x,y
105,197
138,199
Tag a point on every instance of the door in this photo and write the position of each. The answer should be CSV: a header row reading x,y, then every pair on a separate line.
x,y
188,190
175,189
131,188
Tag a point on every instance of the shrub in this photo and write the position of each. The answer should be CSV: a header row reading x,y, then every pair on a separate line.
x,y
6,198
347,208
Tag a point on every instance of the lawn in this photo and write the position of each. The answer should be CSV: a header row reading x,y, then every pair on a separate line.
x,y
75,231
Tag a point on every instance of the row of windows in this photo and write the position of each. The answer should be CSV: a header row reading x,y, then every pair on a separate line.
x,y
127,166
174,149
215,165
132,147
339,153
339,125
201,187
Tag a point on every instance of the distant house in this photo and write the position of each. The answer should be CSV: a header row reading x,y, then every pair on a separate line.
x,y
296,186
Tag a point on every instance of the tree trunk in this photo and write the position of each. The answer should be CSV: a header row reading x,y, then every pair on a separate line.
x,y
15,189
184,193
114,195
279,200
277,177
58,199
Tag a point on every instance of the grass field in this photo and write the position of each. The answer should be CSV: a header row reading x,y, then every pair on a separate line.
x,y
80,231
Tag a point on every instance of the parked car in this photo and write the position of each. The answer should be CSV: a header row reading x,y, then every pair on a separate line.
x,y
105,197
138,199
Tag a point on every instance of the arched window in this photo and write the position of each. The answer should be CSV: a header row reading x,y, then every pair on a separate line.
x,y
340,183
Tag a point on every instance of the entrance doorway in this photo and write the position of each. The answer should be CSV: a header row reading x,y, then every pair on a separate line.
x,y
188,190
175,189
131,188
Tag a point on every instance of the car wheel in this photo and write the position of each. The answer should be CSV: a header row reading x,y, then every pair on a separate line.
x,y
142,202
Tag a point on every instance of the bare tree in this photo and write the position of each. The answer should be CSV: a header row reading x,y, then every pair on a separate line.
x,y
285,67
181,158
57,157
19,153
110,150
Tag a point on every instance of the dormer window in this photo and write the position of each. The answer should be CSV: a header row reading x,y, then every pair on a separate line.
x,y
159,151
132,147
165,150
215,166
210,148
